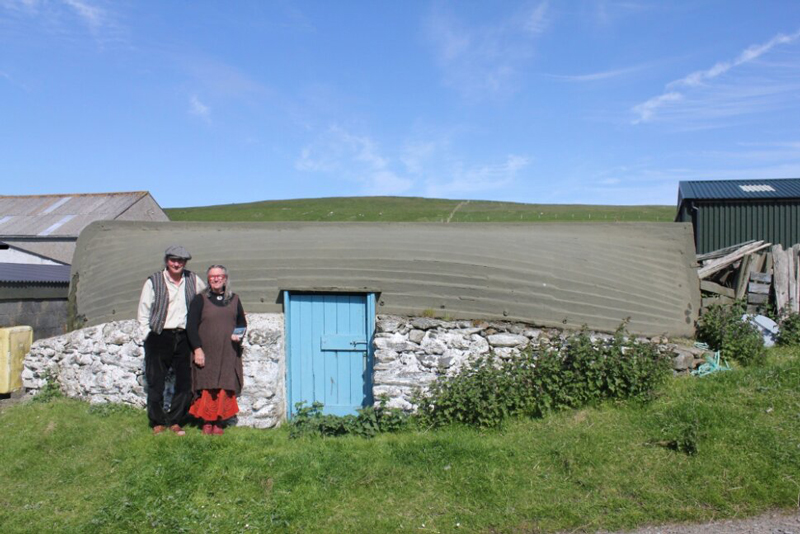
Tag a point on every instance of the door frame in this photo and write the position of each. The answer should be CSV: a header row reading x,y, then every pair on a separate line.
x,y
371,300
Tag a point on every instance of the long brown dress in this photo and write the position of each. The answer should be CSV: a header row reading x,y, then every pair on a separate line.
x,y
221,379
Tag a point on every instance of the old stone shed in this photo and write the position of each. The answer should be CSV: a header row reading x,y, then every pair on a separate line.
x,y
345,313
562,275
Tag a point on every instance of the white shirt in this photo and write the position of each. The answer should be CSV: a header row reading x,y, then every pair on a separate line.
x,y
176,311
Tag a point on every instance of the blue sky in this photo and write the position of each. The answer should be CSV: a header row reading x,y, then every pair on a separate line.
x,y
590,102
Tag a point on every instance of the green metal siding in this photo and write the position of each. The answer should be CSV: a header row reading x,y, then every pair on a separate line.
x,y
722,224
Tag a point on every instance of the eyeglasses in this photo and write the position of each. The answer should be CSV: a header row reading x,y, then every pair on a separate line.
x,y
218,277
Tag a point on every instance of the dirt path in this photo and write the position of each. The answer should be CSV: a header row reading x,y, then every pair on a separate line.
x,y
769,523
11,399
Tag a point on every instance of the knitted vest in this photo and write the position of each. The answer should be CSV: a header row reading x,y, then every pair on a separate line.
x,y
158,313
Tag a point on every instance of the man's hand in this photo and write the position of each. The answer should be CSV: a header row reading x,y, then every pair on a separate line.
x,y
199,357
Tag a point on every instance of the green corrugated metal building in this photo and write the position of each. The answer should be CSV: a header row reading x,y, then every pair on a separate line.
x,y
727,212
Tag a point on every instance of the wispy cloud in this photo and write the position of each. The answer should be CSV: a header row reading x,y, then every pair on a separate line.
x,y
93,16
655,181
462,180
702,95
483,61
198,108
354,158
58,17
595,76
749,54
222,78
608,12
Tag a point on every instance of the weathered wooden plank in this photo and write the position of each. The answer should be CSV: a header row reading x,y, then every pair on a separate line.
x,y
764,278
780,275
758,262
768,263
713,287
743,275
791,262
719,299
714,254
753,298
794,277
713,266
755,287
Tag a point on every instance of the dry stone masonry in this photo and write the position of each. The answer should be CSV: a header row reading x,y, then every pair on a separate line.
x,y
105,363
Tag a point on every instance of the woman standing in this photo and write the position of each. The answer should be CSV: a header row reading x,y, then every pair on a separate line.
x,y
217,374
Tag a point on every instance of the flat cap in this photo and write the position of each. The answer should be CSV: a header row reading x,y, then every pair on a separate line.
x,y
177,251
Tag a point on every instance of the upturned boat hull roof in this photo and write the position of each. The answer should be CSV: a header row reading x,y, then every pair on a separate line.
x,y
563,275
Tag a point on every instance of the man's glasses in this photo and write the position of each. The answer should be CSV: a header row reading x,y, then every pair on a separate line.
x,y
218,277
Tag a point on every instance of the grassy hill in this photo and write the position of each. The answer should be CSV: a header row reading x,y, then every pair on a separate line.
x,y
413,209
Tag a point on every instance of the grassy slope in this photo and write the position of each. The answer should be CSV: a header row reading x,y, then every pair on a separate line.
x,y
66,466
417,210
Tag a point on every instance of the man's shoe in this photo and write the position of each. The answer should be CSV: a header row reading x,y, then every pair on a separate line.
x,y
158,429
218,430
178,430
208,429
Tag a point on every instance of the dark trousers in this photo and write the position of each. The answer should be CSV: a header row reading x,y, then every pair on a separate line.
x,y
162,352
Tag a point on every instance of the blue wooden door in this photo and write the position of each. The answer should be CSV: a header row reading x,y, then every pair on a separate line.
x,y
328,345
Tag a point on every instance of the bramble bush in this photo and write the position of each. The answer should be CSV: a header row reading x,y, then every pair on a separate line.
x,y
51,389
789,333
721,326
489,390
310,421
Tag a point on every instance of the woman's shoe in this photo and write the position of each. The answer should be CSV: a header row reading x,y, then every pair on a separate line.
x,y
218,430
208,429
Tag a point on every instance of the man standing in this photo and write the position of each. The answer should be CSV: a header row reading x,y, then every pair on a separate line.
x,y
163,307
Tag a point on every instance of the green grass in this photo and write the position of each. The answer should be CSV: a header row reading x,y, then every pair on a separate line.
x,y
66,466
411,209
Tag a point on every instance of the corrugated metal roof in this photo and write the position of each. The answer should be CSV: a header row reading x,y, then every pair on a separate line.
x,y
551,274
61,215
739,189
23,272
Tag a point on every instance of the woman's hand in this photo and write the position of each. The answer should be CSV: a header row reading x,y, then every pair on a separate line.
x,y
235,338
199,357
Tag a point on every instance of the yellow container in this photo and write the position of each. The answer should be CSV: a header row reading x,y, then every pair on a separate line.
x,y
15,343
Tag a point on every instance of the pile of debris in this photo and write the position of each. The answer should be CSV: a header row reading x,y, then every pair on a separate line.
x,y
754,270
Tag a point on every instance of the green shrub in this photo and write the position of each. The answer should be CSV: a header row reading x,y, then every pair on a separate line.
x,y
489,390
310,421
716,320
51,389
744,343
789,333
721,326
485,392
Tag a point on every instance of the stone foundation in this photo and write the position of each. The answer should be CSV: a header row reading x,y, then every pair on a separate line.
x,y
105,363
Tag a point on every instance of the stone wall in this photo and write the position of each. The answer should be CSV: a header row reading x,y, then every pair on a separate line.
x,y
105,363
47,317
412,352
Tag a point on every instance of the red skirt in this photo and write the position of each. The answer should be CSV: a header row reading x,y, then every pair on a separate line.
x,y
214,405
